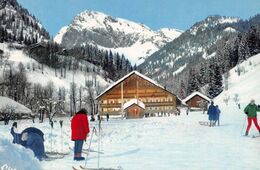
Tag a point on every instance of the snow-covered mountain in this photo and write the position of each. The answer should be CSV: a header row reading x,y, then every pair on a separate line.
x,y
194,45
18,25
136,41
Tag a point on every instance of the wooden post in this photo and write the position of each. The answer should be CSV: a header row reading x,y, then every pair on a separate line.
x,y
122,99
137,87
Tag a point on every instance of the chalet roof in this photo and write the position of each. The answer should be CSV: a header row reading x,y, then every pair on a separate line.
x,y
194,94
134,101
128,75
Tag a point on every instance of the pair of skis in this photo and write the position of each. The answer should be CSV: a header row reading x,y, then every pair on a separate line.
x,y
86,151
50,156
204,123
254,136
84,168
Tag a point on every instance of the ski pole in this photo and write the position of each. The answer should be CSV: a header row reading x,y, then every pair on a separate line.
x,y
243,125
91,137
61,124
51,123
99,127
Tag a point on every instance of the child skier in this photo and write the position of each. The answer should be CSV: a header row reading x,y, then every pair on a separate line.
x,y
250,111
217,114
79,132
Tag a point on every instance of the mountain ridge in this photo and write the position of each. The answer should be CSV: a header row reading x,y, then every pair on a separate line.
x,y
119,35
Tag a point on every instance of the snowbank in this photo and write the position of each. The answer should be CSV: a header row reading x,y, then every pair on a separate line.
x,y
16,157
7,103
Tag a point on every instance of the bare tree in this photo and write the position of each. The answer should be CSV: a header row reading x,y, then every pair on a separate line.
x,y
7,113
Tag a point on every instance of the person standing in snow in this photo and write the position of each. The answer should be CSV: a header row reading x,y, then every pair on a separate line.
x,y
107,117
34,142
217,114
251,112
212,114
15,134
79,132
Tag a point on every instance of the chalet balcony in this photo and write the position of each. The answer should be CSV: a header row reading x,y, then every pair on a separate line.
x,y
147,104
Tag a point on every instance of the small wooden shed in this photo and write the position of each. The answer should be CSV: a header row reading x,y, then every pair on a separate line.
x,y
197,100
134,109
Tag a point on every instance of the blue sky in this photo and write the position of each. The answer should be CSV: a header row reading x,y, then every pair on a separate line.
x,y
156,14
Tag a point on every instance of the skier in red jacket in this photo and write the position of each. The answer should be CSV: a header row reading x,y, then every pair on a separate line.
x,y
79,132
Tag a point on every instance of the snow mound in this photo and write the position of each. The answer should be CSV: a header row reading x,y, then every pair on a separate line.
x,y
7,103
16,157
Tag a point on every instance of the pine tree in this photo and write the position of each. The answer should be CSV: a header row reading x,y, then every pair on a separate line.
x,y
182,90
193,83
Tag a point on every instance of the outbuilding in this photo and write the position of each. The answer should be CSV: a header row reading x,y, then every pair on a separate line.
x,y
197,100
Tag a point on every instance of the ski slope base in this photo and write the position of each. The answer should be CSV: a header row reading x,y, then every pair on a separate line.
x,y
160,143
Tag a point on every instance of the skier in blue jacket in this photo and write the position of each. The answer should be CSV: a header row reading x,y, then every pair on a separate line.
x,y
31,138
212,114
34,142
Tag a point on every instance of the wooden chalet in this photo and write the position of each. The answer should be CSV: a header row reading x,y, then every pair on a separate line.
x,y
135,95
197,100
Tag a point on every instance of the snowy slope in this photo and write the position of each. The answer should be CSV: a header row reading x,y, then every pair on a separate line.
x,y
58,37
132,39
18,56
246,85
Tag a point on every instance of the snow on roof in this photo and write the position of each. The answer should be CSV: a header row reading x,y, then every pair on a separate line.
x,y
6,103
194,94
134,101
128,75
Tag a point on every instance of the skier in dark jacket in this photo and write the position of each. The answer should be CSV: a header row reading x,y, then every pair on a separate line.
x,y
212,114
34,142
79,132
107,116
251,112
15,134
